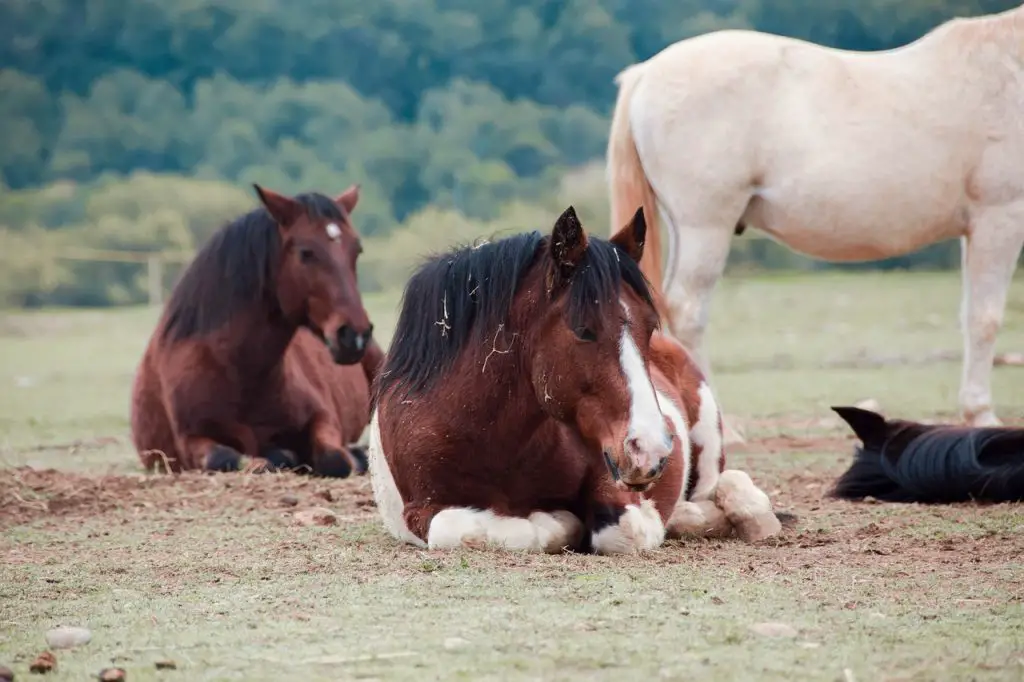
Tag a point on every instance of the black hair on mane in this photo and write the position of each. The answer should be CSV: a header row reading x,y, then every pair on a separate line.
x,y
234,269
463,296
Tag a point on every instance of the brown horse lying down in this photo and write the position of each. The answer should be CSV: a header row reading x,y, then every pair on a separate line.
x,y
527,402
905,461
264,348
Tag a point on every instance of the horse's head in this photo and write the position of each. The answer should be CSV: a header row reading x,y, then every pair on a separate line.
x,y
317,282
591,346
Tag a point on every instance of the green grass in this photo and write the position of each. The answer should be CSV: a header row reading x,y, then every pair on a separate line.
x,y
239,591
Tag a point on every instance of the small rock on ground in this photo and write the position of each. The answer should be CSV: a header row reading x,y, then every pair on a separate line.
x,y
113,675
289,500
68,637
452,643
773,630
44,663
317,516
166,664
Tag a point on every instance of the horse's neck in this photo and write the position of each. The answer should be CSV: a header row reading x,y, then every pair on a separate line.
x,y
256,343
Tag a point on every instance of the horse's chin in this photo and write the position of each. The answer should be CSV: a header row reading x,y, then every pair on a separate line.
x,y
634,487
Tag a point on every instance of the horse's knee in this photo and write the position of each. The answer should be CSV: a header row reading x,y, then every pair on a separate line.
x,y
984,324
748,508
627,531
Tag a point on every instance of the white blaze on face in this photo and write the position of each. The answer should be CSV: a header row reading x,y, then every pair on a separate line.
x,y
333,231
647,427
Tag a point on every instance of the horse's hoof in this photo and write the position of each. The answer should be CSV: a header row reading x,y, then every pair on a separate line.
x,y
222,458
280,459
360,457
334,464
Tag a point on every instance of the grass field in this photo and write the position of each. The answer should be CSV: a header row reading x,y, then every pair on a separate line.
x,y
214,573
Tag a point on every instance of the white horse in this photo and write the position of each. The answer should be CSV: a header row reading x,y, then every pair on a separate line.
x,y
840,155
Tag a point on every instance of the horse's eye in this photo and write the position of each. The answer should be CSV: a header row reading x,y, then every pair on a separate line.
x,y
586,334
307,255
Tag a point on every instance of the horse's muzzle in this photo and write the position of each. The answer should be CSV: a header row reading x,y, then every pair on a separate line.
x,y
632,477
348,346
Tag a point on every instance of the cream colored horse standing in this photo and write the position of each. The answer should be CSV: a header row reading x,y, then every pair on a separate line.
x,y
839,155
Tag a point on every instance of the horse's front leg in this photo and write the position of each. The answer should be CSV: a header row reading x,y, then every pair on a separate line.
x,y
222,452
623,522
988,257
331,456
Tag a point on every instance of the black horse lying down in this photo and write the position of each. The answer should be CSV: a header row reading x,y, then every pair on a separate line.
x,y
904,461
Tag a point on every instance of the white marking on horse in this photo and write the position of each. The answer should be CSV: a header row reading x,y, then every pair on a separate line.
x,y
385,493
465,526
646,422
333,231
707,434
678,420
639,528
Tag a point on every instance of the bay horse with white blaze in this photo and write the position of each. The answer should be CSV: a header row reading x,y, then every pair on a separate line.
x,y
527,402
839,155
264,348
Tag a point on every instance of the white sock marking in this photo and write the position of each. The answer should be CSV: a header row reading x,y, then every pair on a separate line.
x,y
639,528
542,531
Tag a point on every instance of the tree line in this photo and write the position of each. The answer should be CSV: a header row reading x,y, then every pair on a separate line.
x,y
432,105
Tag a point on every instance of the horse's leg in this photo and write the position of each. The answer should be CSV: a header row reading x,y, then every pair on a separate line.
x,y
702,518
330,456
988,257
747,507
697,254
211,454
454,527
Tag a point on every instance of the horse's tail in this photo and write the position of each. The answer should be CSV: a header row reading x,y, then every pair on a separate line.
x,y
628,185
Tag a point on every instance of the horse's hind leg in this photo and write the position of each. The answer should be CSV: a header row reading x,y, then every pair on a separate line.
x,y
989,257
747,507
454,527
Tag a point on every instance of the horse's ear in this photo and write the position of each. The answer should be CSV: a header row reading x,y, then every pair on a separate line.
x,y
284,210
568,242
869,426
348,199
632,236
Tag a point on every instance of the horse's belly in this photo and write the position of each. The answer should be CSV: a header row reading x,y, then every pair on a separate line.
x,y
844,225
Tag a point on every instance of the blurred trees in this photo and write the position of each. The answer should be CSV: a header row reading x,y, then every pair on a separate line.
x,y
438,108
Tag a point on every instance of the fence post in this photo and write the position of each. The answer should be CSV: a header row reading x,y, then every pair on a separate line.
x,y
156,279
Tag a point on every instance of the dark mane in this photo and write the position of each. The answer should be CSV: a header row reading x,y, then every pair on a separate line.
x,y
234,269
463,295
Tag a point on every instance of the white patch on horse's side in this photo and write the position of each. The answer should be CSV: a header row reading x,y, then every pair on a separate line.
x,y
385,493
333,231
646,422
678,420
707,434
639,528
465,526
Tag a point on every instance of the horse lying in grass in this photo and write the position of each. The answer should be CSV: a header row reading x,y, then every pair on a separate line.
x,y
843,156
524,404
264,348
904,461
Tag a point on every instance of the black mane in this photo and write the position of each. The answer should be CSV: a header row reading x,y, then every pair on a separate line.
x,y
233,270
463,295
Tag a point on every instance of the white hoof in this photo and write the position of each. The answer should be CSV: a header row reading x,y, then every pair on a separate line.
x,y
701,519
